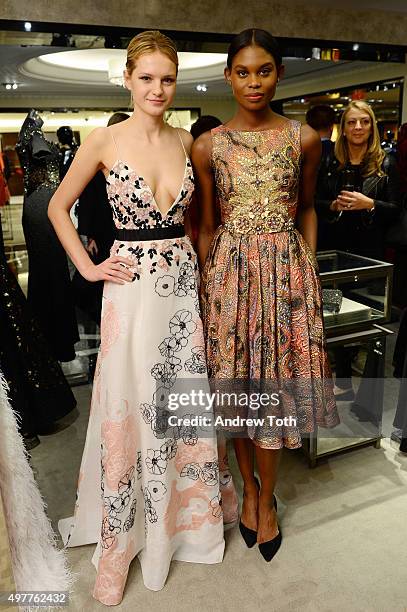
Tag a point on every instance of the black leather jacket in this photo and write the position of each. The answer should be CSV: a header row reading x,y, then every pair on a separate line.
x,y
361,231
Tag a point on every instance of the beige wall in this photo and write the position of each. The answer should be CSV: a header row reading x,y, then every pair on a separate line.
x,y
289,18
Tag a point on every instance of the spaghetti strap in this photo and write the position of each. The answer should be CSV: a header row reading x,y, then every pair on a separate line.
x,y
181,142
114,142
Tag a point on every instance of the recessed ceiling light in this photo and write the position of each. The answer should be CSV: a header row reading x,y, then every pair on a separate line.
x,y
27,26
355,47
201,87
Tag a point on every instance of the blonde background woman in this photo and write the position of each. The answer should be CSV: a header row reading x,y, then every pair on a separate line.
x,y
360,195
360,192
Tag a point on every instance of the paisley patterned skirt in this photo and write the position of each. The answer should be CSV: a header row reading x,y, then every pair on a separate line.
x,y
263,320
145,489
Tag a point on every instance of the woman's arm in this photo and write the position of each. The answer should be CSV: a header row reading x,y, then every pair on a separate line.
x,y
205,193
387,203
306,216
87,162
389,198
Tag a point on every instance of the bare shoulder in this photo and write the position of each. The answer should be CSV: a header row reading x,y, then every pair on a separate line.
x,y
98,137
309,137
203,145
186,138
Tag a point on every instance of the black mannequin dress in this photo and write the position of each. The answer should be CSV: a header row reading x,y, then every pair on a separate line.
x,y
38,391
49,286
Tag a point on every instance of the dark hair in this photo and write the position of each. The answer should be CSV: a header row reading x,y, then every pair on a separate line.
x,y
321,117
254,37
65,135
117,118
204,124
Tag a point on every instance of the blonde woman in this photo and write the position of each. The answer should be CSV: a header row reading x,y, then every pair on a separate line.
x,y
147,487
360,195
360,191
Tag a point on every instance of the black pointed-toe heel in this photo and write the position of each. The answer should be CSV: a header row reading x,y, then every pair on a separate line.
x,y
270,548
249,535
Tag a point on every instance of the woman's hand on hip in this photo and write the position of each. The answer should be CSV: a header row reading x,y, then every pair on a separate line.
x,y
354,200
114,269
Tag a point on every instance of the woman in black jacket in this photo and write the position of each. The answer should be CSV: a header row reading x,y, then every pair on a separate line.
x,y
359,194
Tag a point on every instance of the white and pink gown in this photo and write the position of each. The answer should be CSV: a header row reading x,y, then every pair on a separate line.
x,y
144,488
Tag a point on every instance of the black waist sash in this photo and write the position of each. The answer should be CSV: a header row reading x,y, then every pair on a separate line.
x,y
155,233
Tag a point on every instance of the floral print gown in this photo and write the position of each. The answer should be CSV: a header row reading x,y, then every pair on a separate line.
x,y
262,303
146,489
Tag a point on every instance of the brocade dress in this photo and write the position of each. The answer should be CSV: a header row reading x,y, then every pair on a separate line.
x,y
262,306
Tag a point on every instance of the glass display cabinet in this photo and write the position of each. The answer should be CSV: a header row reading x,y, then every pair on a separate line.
x,y
363,286
357,301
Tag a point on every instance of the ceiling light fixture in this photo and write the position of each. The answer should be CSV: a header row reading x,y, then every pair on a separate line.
x,y
201,87
115,71
27,26
9,86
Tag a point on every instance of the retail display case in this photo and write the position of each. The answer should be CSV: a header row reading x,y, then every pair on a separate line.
x,y
364,288
357,301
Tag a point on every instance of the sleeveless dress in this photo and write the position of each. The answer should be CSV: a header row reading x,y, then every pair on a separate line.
x,y
261,297
145,488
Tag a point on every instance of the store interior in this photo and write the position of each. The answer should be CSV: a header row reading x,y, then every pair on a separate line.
x,y
75,79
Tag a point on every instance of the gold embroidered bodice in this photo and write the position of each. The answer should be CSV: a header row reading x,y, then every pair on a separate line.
x,y
257,175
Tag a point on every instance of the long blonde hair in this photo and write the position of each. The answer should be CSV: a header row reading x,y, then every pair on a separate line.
x,y
372,162
148,42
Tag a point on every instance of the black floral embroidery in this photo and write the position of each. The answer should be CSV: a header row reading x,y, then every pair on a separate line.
x,y
148,412
129,522
186,284
102,473
174,363
157,490
191,470
160,398
139,466
196,364
115,505
164,374
208,472
182,325
111,526
126,486
150,513
168,450
155,463
216,505
189,432
164,285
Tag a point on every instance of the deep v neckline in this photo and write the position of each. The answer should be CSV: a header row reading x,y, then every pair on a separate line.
x,y
140,178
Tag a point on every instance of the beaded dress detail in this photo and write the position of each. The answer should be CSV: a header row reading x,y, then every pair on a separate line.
x,y
49,294
262,306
